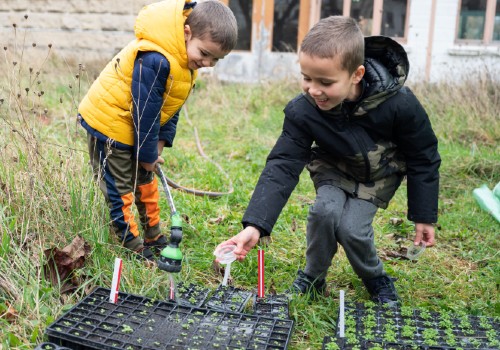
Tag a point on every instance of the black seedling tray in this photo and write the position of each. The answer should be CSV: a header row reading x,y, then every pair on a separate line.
x,y
50,346
376,326
189,294
272,305
139,323
228,298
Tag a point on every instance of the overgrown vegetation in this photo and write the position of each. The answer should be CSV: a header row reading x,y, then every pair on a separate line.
x,y
47,197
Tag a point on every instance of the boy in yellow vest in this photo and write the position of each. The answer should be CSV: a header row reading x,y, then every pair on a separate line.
x,y
131,111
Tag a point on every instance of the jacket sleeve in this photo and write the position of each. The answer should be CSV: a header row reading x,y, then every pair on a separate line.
x,y
151,70
281,174
415,137
169,129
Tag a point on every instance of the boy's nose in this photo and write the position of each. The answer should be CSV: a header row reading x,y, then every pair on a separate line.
x,y
313,90
209,63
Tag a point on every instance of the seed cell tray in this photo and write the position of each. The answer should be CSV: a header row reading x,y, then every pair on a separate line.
x,y
228,298
50,346
190,294
373,326
272,305
139,323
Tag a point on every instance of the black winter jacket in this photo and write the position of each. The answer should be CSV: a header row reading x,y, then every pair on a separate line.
x,y
364,147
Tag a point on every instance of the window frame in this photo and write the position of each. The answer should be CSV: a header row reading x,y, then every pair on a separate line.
x,y
489,24
377,15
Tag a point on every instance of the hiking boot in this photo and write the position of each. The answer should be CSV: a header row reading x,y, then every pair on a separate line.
x,y
157,245
305,284
382,290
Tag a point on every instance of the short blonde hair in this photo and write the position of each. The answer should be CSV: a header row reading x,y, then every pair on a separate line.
x,y
215,20
336,35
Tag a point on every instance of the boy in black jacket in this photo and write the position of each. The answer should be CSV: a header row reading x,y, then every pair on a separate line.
x,y
358,131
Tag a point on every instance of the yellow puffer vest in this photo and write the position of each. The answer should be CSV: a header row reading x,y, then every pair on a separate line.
x,y
107,107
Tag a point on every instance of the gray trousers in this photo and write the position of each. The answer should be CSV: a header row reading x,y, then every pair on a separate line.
x,y
336,218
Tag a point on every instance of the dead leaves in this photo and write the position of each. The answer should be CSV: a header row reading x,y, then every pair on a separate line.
x,y
61,264
10,314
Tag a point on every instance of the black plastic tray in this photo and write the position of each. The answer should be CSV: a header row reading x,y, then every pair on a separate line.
x,y
272,305
368,327
190,294
50,346
139,323
228,298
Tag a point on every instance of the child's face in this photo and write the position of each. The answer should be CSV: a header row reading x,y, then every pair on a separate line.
x,y
201,52
327,82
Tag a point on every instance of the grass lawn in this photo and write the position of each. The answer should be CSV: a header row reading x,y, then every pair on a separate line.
x,y
47,198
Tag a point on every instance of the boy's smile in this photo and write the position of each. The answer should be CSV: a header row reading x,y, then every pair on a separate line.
x,y
327,82
201,52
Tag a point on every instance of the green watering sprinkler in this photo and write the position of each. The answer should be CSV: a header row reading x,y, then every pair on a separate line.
x,y
171,256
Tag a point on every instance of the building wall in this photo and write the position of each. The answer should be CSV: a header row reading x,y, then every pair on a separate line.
x,y
86,30
77,29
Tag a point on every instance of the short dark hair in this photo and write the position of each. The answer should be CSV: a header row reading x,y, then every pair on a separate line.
x,y
336,35
214,19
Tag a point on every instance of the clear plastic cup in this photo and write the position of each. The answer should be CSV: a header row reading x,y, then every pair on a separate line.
x,y
414,251
225,254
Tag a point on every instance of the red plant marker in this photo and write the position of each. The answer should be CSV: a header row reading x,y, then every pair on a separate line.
x,y
117,273
260,263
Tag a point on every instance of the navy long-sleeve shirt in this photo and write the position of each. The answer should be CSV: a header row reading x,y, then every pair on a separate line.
x,y
151,70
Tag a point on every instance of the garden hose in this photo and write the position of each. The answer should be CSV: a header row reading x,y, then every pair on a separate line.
x,y
171,256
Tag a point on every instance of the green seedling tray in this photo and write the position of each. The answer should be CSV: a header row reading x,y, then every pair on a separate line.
x,y
380,327
139,323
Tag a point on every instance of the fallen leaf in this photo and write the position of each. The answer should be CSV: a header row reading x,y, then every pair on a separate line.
x,y
217,220
10,314
396,221
389,254
61,264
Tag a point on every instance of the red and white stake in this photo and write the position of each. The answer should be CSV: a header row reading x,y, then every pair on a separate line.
x,y
260,286
117,273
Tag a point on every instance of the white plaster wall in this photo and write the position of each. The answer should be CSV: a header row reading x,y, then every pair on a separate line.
x,y
455,62
85,30
418,34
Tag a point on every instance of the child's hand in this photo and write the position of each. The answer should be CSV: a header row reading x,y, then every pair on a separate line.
x,y
152,166
245,241
424,233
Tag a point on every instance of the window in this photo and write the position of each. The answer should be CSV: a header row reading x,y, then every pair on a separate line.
x,y
362,11
394,18
331,8
375,17
479,20
285,26
472,17
242,10
496,28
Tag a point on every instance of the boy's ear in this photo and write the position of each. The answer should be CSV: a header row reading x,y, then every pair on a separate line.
x,y
187,32
358,74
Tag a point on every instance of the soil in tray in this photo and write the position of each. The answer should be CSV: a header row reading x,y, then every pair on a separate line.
x,y
273,305
419,328
167,326
191,294
228,298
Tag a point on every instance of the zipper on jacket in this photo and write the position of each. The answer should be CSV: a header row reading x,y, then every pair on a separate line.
x,y
361,146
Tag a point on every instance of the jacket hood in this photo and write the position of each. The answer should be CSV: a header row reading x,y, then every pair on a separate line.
x,y
163,24
386,69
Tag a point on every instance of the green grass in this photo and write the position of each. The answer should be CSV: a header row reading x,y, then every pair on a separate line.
x,y
47,197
